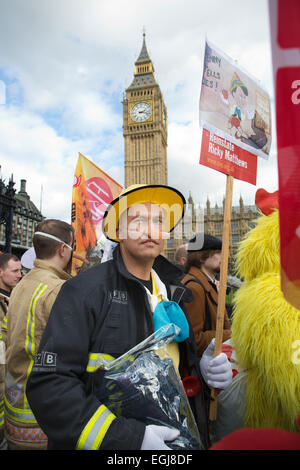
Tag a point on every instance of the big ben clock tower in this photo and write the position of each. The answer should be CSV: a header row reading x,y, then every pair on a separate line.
x,y
145,126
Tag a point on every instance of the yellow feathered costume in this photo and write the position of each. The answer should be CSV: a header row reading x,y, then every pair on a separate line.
x,y
264,331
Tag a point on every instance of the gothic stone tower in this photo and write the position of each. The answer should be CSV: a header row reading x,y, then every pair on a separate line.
x,y
145,126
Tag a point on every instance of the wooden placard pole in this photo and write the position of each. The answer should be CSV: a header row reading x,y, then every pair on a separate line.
x,y
222,287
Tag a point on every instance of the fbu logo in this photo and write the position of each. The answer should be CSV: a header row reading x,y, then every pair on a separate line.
x,y
49,359
45,359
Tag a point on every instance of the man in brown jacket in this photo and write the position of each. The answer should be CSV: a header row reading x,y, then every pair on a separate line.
x,y
29,308
203,263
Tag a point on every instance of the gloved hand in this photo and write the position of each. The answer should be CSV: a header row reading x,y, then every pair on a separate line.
x,y
155,437
216,371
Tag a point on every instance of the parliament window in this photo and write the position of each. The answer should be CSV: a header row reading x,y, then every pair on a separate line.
x,y
235,240
170,243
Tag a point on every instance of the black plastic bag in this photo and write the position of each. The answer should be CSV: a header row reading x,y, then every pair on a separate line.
x,y
143,384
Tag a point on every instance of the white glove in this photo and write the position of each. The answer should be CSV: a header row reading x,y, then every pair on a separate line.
x,y
216,371
155,437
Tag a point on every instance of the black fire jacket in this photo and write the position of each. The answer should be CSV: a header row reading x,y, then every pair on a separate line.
x,y
102,310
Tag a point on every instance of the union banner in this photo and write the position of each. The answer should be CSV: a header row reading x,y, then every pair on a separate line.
x,y
285,36
93,191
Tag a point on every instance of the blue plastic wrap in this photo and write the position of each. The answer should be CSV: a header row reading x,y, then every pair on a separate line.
x,y
143,384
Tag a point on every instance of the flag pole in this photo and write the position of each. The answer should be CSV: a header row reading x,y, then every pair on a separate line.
x,y
41,198
222,288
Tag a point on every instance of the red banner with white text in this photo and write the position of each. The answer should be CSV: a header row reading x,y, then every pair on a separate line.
x,y
285,36
222,155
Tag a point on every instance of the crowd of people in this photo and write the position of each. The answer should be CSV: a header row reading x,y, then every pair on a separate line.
x,y
57,330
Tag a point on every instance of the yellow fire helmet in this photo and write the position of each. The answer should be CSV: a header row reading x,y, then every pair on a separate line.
x,y
170,199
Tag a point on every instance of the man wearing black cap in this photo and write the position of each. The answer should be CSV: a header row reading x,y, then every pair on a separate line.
x,y
203,263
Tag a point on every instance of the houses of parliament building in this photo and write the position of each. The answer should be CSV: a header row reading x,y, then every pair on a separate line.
x,y
145,134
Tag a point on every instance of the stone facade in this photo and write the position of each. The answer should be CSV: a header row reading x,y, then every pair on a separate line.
x,y
25,219
242,220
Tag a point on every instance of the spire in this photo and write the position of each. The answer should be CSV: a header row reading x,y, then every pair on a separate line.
x,y
208,207
241,205
144,70
144,56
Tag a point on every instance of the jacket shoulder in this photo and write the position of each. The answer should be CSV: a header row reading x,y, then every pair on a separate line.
x,y
94,276
192,282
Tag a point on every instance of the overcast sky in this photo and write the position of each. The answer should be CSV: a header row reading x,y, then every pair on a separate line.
x,y
64,65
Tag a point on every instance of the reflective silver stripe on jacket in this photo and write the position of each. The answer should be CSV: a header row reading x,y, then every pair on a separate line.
x,y
1,412
94,432
24,415
96,359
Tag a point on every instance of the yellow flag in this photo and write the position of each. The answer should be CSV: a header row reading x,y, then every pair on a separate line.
x,y
93,191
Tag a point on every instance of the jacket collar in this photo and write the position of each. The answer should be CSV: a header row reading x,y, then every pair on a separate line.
x,y
43,264
5,293
167,272
196,272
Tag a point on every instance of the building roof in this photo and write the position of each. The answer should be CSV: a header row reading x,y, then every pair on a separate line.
x,y
146,78
144,56
141,81
218,210
25,205
236,209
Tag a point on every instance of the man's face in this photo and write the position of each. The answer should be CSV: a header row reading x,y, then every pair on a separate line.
x,y
10,275
213,263
142,231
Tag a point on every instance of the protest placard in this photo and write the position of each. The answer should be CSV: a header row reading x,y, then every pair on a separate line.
x,y
233,104
235,115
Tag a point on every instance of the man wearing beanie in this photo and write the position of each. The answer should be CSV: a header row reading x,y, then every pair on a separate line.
x,y
203,263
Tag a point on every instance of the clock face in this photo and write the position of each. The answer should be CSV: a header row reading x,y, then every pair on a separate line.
x,y
141,112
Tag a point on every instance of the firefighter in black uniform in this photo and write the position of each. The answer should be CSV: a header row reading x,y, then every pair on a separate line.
x,y
106,310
